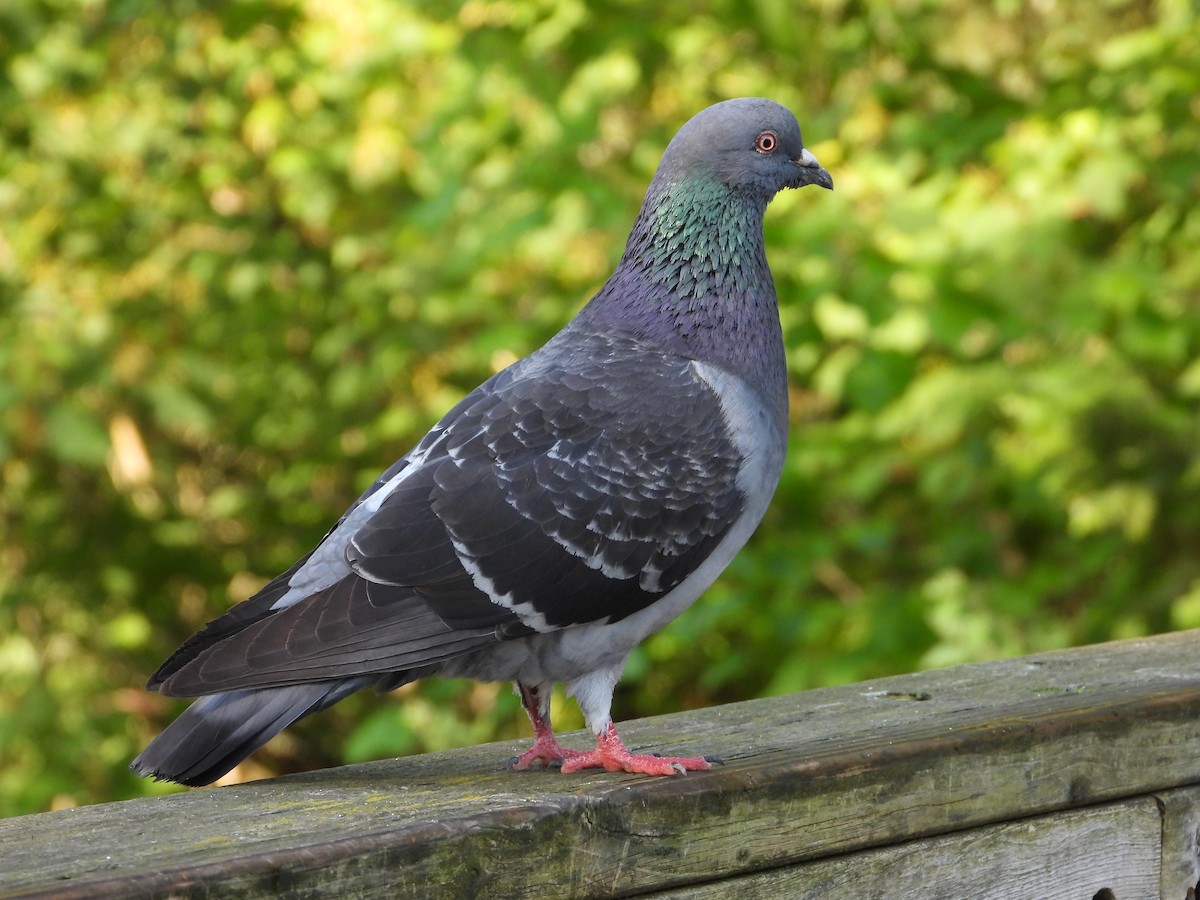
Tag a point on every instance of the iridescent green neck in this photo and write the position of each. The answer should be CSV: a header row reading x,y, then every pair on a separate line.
x,y
697,239
694,281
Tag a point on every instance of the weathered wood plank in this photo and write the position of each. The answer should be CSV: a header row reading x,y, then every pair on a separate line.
x,y
1181,841
1072,855
809,776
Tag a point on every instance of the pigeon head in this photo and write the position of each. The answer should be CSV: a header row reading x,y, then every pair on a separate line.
x,y
694,279
751,145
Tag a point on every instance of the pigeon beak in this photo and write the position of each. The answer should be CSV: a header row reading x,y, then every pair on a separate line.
x,y
811,171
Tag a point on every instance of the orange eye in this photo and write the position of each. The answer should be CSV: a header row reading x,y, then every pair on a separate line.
x,y
766,142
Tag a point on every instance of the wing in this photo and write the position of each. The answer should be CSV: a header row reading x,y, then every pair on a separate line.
x,y
263,604
579,488
581,485
350,629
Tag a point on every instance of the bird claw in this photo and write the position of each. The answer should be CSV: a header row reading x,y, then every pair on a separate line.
x,y
710,758
613,757
545,750
610,754
518,764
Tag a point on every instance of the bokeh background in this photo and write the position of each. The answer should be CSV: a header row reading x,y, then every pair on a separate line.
x,y
251,249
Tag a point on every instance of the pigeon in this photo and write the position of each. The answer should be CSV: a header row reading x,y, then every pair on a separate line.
x,y
564,510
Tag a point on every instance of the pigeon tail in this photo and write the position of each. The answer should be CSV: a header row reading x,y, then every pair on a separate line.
x,y
218,731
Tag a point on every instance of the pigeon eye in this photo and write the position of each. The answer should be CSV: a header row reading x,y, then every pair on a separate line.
x,y
766,142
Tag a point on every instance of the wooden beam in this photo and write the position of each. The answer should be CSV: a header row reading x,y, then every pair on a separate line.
x,y
1071,855
1181,841
809,776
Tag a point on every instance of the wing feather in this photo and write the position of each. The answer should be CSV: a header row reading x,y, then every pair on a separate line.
x,y
578,486
617,475
352,628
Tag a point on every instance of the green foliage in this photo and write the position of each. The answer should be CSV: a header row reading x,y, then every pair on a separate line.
x,y
250,251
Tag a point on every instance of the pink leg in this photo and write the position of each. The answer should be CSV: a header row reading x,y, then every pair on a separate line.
x,y
610,754
545,747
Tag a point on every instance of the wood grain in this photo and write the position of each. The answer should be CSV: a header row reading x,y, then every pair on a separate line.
x,y
809,776
1181,841
1072,855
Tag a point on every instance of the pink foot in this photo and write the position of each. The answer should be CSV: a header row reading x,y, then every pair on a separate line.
x,y
610,754
545,748
546,751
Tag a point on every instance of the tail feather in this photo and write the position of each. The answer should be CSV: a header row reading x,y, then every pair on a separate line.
x,y
218,731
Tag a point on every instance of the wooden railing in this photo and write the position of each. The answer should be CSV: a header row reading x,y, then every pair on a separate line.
x,y
1073,774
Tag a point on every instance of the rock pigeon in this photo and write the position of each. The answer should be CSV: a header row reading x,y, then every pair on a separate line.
x,y
565,509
